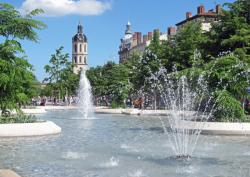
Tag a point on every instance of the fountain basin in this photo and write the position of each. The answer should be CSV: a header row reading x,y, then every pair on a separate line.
x,y
108,111
134,111
34,111
58,107
217,128
119,145
29,129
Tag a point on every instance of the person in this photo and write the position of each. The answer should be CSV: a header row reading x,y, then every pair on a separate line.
x,y
247,105
33,101
42,102
45,100
70,100
54,101
38,100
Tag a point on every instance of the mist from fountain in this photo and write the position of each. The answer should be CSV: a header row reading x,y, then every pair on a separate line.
x,y
189,103
85,104
186,106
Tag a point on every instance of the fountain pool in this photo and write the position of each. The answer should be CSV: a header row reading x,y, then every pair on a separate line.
x,y
120,146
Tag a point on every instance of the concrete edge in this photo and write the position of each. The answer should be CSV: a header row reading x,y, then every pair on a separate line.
x,y
8,173
29,129
34,111
134,111
218,128
58,107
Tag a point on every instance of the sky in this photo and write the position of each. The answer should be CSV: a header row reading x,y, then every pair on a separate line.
x,y
103,23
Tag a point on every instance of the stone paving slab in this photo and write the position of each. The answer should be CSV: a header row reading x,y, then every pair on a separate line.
x,y
8,173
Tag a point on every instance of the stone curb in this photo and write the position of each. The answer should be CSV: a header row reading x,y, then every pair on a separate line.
x,y
29,129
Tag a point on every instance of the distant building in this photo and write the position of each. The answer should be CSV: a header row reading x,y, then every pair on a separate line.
x,y
79,50
126,44
206,18
136,43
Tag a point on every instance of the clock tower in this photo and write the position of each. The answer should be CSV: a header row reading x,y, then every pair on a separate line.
x,y
79,50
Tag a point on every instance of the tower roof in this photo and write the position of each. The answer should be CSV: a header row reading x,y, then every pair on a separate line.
x,y
79,37
128,28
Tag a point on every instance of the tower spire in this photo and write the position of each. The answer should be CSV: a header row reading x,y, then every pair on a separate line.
x,y
79,28
128,28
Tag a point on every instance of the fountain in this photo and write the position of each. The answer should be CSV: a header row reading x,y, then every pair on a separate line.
x,y
85,96
189,106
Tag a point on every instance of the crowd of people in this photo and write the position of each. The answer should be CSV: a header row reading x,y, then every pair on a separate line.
x,y
43,101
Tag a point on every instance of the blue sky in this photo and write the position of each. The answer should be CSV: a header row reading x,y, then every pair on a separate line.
x,y
104,24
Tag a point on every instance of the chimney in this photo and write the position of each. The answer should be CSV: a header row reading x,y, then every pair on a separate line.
x,y
134,37
188,15
157,31
150,36
171,30
200,9
218,8
145,38
139,39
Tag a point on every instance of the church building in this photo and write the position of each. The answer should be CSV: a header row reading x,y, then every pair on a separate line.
x,y
79,50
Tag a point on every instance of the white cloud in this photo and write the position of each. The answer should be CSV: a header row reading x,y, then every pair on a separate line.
x,y
66,7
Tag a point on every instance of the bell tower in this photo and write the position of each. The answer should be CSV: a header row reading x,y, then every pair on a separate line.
x,y
79,50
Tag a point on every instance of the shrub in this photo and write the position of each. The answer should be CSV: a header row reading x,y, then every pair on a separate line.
x,y
19,118
228,108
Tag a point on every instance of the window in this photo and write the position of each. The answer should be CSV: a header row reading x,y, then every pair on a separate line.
x,y
75,48
85,60
80,47
85,48
75,59
80,59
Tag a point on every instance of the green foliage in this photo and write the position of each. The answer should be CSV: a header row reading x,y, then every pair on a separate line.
x,y
149,64
61,76
115,105
228,109
155,44
228,72
13,24
187,40
17,81
19,118
111,81
221,56
232,32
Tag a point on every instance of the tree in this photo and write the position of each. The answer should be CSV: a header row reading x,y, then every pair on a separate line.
x,y
110,82
155,44
187,40
61,76
17,81
232,32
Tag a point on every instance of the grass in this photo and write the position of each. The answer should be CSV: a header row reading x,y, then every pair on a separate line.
x,y
19,118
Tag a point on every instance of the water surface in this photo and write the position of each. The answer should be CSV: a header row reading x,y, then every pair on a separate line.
x,y
119,146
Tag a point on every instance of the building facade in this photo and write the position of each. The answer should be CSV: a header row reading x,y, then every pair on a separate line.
x,y
133,43
205,18
136,43
79,50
